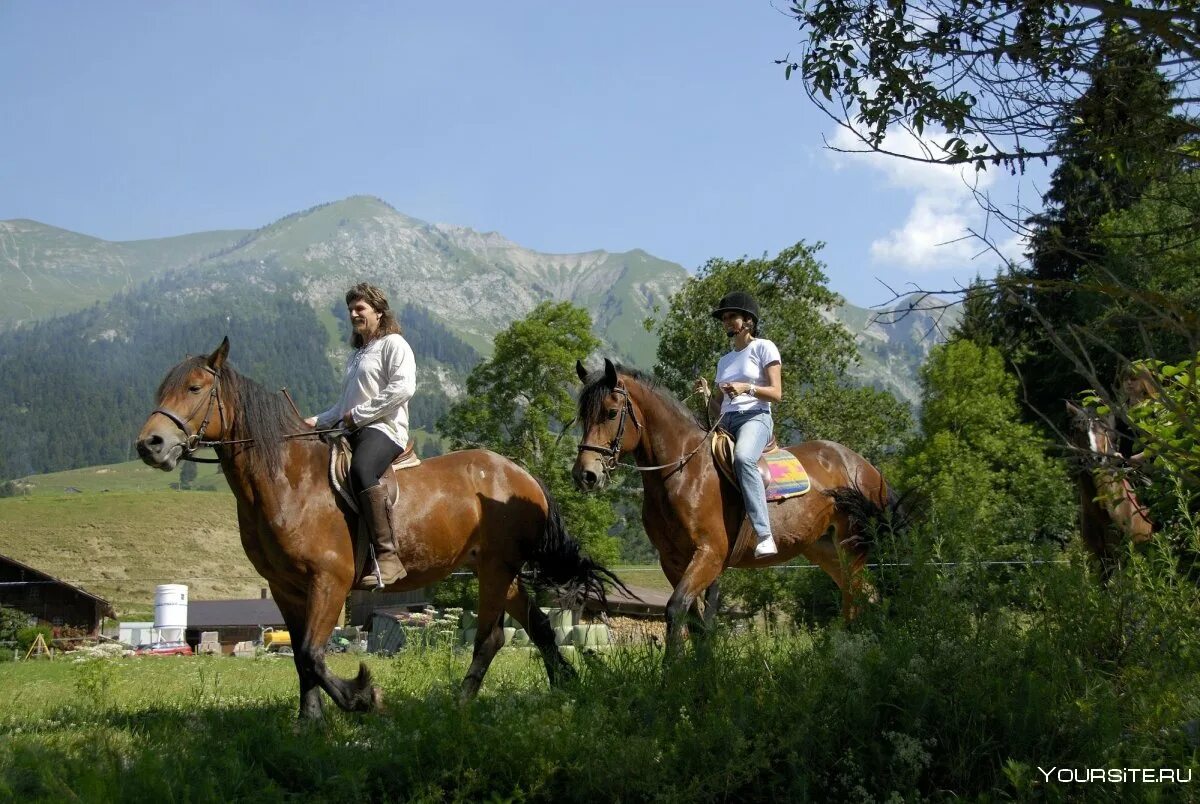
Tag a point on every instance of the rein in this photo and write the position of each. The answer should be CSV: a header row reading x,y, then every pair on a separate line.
x,y
197,440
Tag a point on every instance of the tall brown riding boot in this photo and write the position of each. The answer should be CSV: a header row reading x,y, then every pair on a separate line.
x,y
373,507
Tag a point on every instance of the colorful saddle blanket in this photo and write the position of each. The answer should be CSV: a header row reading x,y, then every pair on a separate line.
x,y
782,473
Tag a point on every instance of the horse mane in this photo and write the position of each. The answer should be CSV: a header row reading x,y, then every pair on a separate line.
x,y
258,414
591,398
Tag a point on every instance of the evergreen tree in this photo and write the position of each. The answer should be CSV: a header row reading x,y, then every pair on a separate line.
x,y
992,490
1119,135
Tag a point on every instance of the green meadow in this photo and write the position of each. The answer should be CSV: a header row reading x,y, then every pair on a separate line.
x,y
949,689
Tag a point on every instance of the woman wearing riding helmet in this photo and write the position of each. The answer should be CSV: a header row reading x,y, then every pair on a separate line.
x,y
749,377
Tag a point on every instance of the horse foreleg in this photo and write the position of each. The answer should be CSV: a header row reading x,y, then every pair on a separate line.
x,y
292,609
701,574
324,602
494,583
537,625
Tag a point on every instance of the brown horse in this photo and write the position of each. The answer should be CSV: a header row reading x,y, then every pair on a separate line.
x,y
472,508
1110,515
692,514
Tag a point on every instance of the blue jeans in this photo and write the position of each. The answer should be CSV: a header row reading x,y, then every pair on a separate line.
x,y
751,430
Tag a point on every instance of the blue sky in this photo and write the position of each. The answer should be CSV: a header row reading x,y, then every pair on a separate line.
x,y
564,126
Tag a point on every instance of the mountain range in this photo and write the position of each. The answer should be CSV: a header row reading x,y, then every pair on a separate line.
x,y
462,286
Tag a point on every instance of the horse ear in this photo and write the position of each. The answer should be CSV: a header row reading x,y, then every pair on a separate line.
x,y
581,371
217,358
610,373
1072,408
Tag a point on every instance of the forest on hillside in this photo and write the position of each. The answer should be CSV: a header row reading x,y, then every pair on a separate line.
x,y
77,388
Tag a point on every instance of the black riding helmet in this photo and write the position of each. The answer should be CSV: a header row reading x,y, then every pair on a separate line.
x,y
739,301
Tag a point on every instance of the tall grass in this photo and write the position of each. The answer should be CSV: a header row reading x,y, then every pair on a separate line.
x,y
948,689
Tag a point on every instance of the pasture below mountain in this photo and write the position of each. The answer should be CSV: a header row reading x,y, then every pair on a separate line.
x,y
121,543
118,531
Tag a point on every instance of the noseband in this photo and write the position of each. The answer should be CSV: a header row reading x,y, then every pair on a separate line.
x,y
196,440
611,454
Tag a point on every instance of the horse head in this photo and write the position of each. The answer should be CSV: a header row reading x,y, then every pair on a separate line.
x,y
605,413
190,411
1093,434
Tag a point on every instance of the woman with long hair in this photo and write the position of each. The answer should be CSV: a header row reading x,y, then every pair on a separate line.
x,y
381,376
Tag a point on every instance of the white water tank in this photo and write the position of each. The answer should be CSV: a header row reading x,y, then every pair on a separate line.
x,y
170,611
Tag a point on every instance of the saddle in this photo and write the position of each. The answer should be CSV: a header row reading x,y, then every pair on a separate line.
x,y
339,477
782,473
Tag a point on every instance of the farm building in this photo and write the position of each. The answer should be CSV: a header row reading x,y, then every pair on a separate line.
x,y
645,603
362,605
48,599
234,620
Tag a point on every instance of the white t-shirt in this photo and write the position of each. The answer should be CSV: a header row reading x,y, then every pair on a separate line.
x,y
748,365
380,379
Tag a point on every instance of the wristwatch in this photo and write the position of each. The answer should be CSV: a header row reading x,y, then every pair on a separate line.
x,y
753,390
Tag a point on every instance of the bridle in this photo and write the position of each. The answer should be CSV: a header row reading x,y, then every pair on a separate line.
x,y
196,440
611,454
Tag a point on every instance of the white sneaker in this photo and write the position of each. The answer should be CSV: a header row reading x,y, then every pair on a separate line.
x,y
765,548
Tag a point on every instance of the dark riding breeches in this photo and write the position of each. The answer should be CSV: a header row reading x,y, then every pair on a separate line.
x,y
373,454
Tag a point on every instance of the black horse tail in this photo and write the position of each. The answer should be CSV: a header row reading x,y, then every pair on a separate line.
x,y
870,519
559,565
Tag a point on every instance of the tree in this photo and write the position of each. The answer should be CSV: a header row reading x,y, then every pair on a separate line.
x,y
990,485
991,76
1117,136
518,403
816,350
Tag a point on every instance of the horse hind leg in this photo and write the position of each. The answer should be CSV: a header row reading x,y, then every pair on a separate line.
x,y
537,625
494,583
844,566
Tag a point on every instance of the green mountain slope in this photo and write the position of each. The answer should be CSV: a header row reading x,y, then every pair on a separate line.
x,y
47,271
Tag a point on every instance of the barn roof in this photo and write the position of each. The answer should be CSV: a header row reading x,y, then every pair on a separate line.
x,y
44,577
216,613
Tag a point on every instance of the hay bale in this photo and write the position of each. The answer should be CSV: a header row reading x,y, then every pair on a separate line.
x,y
590,635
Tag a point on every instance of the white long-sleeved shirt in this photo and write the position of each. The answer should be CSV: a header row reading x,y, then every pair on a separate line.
x,y
380,379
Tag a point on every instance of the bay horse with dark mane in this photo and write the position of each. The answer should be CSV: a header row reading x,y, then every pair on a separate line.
x,y
1110,515
693,515
472,508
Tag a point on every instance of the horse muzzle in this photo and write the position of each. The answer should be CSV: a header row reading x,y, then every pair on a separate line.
x,y
159,450
586,478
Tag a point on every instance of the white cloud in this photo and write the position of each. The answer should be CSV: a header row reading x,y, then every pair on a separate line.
x,y
936,234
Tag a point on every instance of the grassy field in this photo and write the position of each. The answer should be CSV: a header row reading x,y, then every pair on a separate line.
x,y
123,530
942,705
